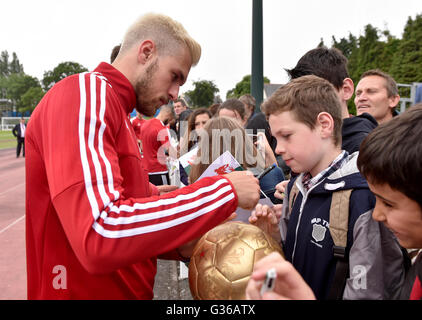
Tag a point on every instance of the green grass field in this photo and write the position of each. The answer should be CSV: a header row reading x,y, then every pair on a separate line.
x,y
7,140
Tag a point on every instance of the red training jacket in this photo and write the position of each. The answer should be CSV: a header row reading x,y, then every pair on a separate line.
x,y
155,139
93,228
137,125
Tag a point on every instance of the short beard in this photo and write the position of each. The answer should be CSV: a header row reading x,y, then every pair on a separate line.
x,y
143,88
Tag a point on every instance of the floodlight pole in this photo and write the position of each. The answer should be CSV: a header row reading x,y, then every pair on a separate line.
x,y
257,77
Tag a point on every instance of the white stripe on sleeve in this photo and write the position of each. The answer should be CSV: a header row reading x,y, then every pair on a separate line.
x,y
160,226
82,148
208,203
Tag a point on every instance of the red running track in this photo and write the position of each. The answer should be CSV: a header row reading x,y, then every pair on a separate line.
x,y
12,226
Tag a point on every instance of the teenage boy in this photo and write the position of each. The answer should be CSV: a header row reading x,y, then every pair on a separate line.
x,y
305,118
394,172
390,160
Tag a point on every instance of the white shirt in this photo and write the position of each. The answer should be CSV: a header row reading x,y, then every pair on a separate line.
x,y
22,130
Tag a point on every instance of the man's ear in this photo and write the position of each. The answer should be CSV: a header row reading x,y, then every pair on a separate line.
x,y
394,100
145,51
326,123
347,89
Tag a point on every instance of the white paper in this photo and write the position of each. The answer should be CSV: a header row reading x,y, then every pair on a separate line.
x,y
225,163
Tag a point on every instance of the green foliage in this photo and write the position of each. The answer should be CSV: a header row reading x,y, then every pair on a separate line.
x,y
4,64
60,72
346,45
17,85
203,94
24,90
14,83
31,98
242,87
407,66
376,49
15,66
9,67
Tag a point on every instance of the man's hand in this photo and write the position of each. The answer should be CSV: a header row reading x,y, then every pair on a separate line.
x,y
247,188
166,189
289,285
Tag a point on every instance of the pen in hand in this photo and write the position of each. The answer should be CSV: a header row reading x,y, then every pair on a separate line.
x,y
263,173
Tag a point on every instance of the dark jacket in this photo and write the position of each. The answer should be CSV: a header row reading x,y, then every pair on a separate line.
x,y
375,258
17,130
355,129
412,289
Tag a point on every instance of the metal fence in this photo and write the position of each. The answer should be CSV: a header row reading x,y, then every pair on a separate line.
x,y
407,94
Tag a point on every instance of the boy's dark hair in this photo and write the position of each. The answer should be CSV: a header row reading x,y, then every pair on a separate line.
x,y
114,53
214,108
234,105
329,64
307,97
391,154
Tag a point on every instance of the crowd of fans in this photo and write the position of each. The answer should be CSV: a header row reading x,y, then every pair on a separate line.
x,y
320,86
105,201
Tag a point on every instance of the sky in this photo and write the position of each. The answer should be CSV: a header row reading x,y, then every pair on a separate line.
x,y
44,33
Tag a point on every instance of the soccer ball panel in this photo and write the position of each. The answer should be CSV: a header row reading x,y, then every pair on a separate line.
x,y
223,260
212,285
233,257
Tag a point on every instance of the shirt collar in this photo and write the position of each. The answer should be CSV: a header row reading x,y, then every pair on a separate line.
x,y
308,181
120,84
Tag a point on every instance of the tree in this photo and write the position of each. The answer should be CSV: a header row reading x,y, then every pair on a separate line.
x,y
3,87
375,49
15,66
23,90
347,46
17,84
6,67
204,93
407,61
367,55
31,98
242,87
4,64
60,72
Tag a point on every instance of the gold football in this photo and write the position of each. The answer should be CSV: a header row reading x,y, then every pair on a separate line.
x,y
223,260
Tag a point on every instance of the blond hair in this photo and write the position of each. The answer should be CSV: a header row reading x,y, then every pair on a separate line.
x,y
166,33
